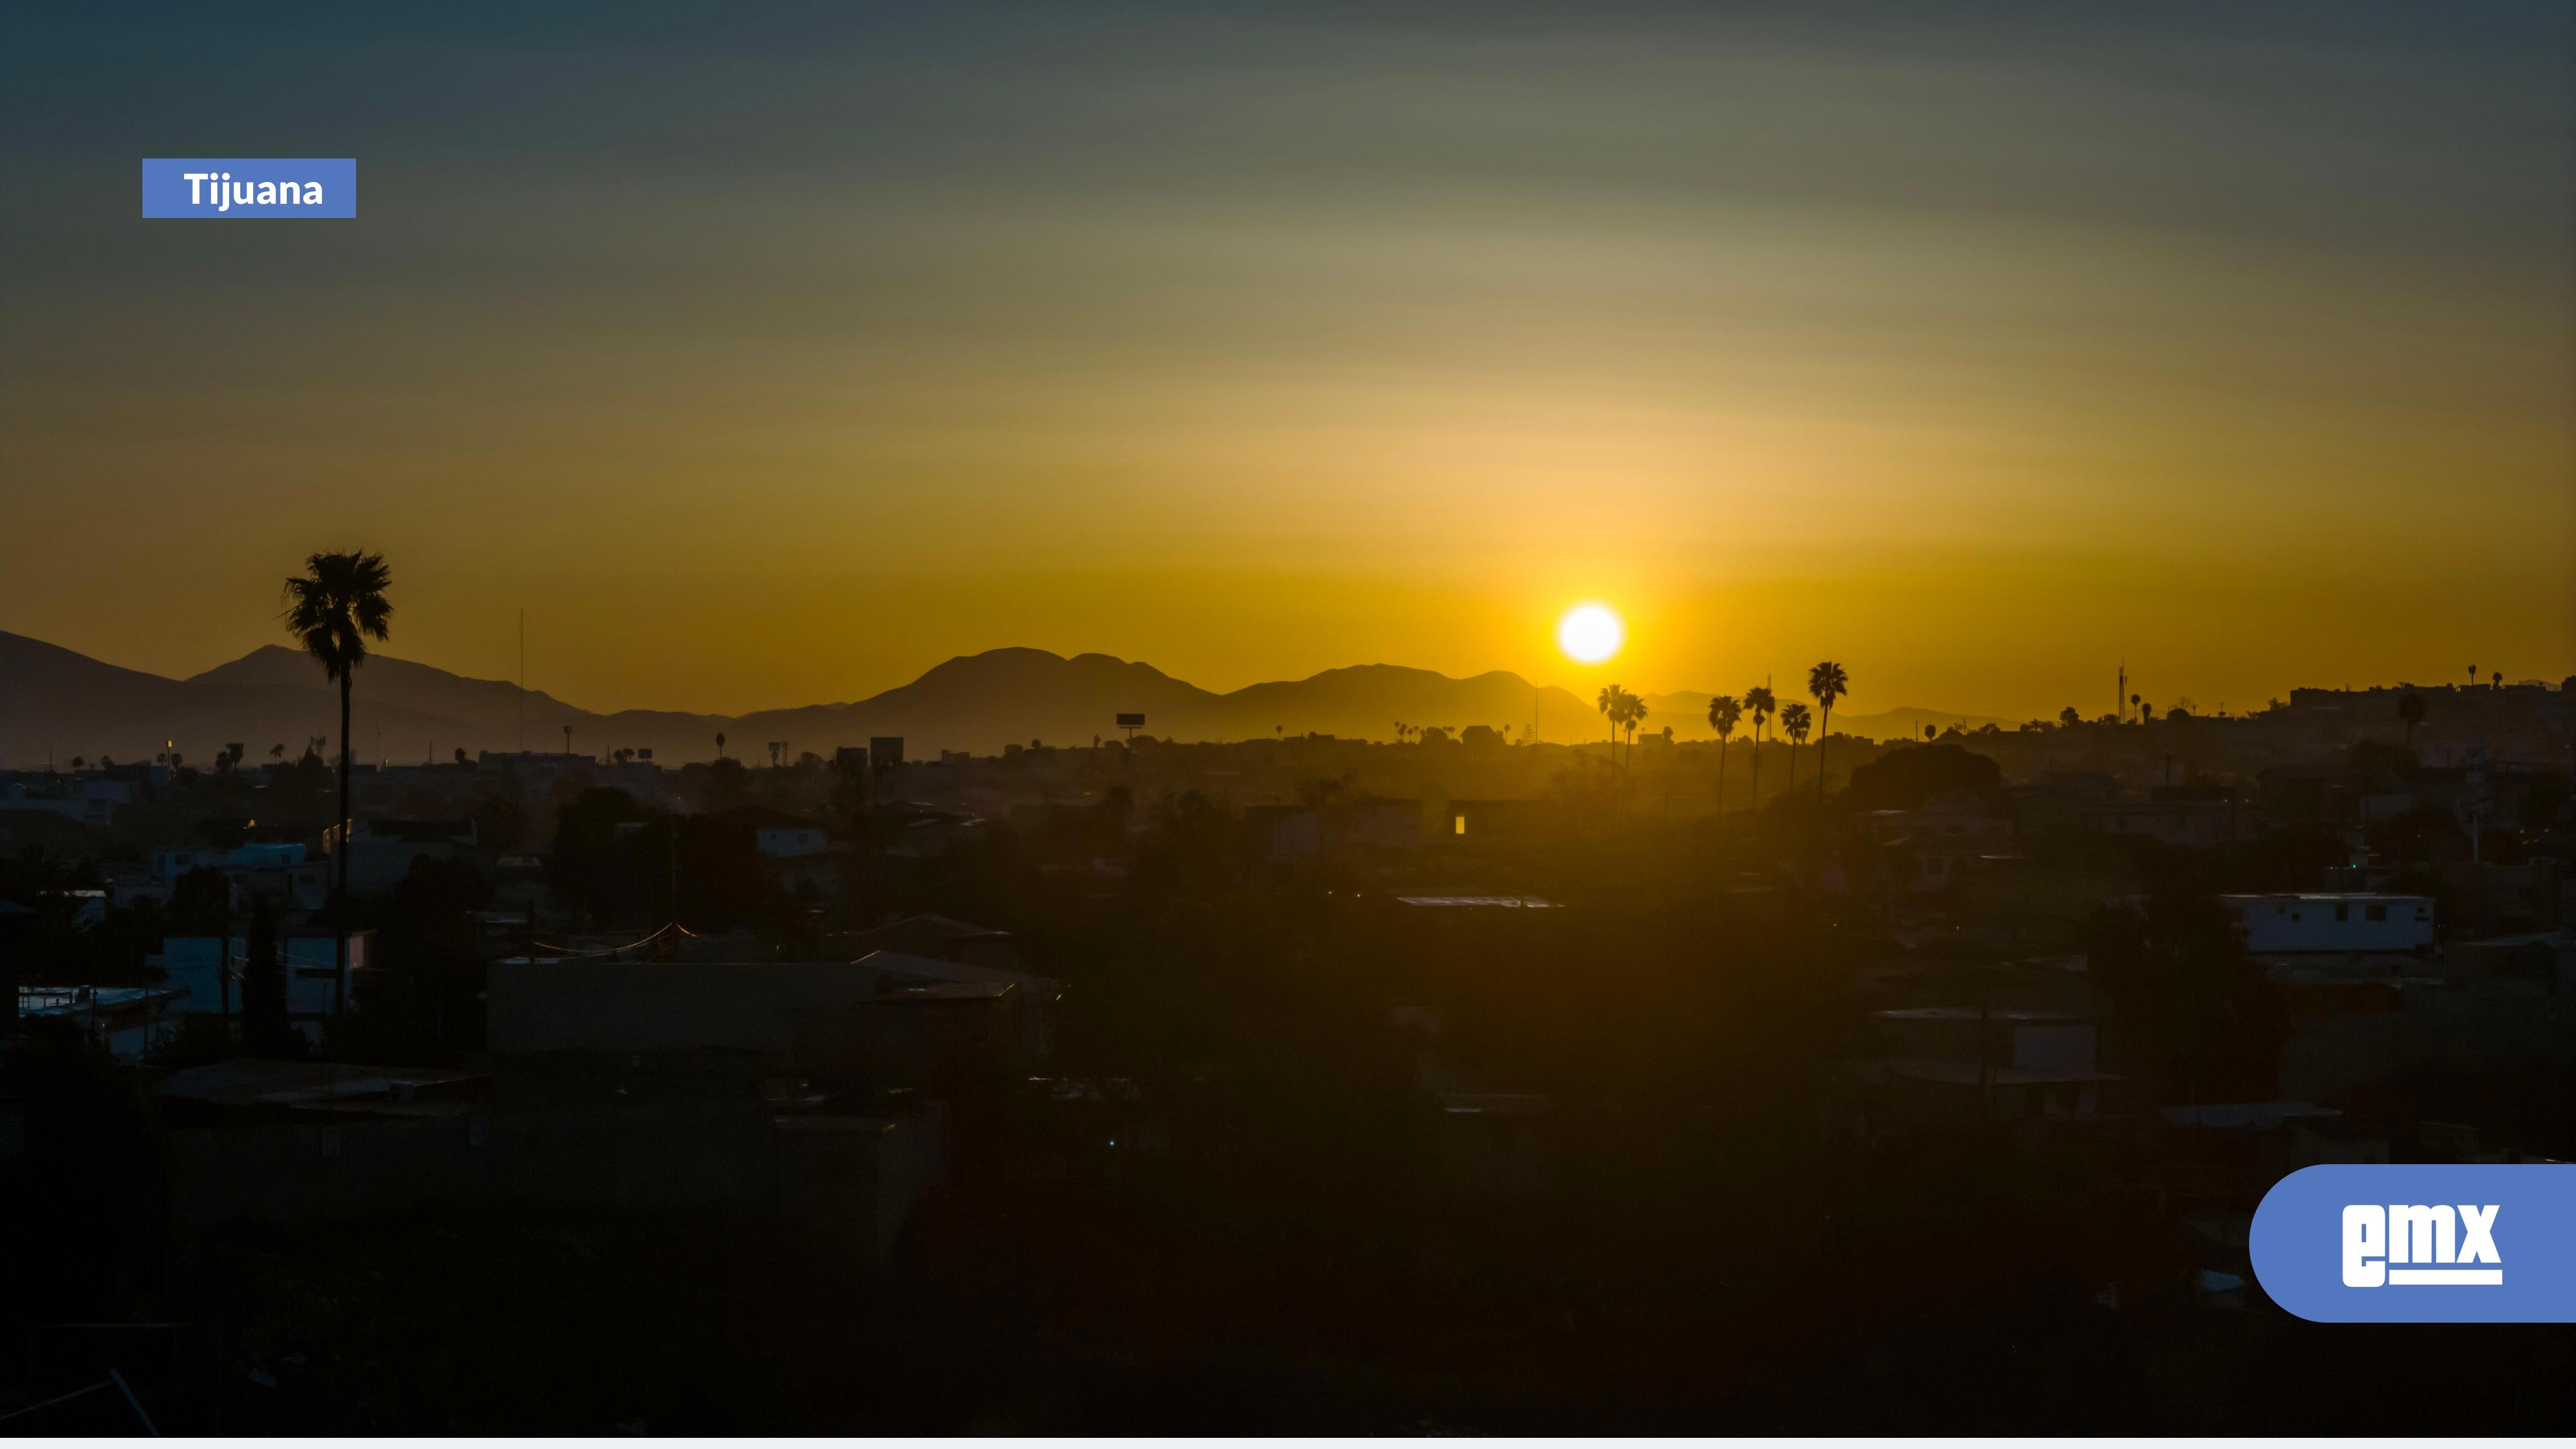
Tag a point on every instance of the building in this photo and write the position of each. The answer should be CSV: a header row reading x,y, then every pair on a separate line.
x,y
1295,832
2194,823
886,1019
300,1142
382,852
204,975
281,871
2353,921
127,1020
940,938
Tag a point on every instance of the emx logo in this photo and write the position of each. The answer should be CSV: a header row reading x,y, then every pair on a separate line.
x,y
2329,1241
2376,1239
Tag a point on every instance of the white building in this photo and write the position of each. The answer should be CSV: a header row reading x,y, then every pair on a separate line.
x,y
2352,921
204,975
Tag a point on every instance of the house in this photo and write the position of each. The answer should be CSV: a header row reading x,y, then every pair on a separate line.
x,y
1295,832
941,938
1963,1065
1506,822
282,871
127,1020
91,798
301,1142
2348,921
382,852
204,975
2197,824
860,1020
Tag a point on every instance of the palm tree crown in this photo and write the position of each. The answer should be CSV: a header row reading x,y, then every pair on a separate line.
x,y
1826,683
1759,704
1723,711
336,606
2410,710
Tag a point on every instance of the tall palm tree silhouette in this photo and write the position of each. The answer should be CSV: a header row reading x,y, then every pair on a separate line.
x,y
333,608
1825,683
1794,721
2410,709
1759,704
1611,702
1723,712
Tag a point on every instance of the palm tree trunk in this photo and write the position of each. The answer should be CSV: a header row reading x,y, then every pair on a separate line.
x,y
1824,731
1753,793
340,896
1721,775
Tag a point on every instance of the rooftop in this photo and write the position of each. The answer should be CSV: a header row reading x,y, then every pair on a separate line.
x,y
309,1084
1971,1013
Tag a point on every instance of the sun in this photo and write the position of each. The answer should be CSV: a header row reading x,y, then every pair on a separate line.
x,y
1590,633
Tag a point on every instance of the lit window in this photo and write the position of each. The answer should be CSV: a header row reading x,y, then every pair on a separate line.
x,y
1461,824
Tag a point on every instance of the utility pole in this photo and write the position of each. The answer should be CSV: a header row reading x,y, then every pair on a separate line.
x,y
2120,694
523,681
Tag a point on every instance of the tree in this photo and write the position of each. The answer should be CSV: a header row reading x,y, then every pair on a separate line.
x,y
1759,704
266,1030
460,756
2202,1015
1723,711
1826,683
1904,779
1793,723
720,754
1608,702
2068,719
333,609
2410,710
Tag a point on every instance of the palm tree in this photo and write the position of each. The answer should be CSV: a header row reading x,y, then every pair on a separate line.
x,y
720,754
1759,704
1826,683
334,607
1607,701
2410,709
1794,720
1636,713
1723,712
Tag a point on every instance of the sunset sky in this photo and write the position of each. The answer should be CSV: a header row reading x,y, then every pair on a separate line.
x,y
772,358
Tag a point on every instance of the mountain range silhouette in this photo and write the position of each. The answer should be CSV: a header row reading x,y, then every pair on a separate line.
x,y
56,703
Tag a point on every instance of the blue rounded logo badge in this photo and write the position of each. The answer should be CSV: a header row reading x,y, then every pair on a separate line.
x,y
2421,1243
